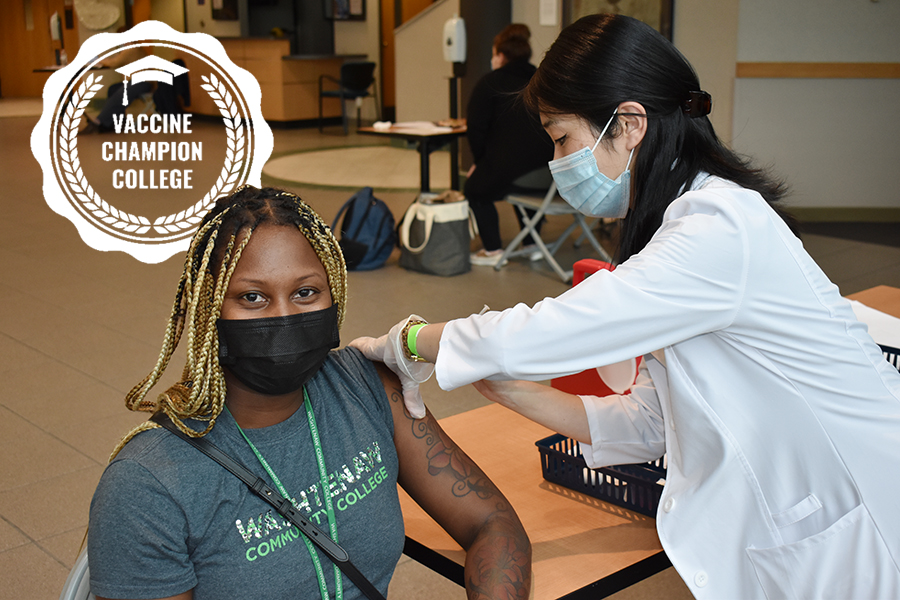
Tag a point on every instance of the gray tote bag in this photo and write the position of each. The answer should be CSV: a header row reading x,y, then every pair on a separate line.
x,y
435,235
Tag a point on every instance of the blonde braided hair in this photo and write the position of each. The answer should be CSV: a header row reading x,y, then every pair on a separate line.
x,y
210,262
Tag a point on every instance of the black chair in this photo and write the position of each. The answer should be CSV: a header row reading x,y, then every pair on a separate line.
x,y
356,79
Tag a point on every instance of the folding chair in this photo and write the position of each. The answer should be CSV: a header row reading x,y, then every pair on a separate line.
x,y
546,205
78,584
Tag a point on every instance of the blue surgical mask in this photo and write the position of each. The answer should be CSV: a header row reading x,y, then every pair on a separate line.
x,y
581,184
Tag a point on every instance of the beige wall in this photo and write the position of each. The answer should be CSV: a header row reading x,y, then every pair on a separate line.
x,y
707,33
834,139
542,36
423,89
363,37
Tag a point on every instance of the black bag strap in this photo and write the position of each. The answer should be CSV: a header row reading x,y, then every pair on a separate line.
x,y
283,505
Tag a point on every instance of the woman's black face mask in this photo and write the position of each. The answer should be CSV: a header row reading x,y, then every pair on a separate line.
x,y
277,355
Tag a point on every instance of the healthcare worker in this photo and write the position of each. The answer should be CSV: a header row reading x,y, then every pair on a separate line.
x,y
779,416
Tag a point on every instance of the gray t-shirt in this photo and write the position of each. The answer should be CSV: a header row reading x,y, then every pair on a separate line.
x,y
166,519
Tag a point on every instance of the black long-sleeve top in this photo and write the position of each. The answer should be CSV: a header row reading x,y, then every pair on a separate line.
x,y
507,140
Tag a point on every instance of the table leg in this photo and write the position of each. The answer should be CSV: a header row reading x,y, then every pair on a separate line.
x,y
424,175
620,580
454,164
454,143
438,563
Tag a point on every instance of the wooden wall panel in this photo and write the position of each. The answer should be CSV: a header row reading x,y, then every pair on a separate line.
x,y
806,70
22,51
289,87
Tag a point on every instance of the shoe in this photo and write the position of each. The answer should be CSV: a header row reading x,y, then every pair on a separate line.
x,y
486,258
536,253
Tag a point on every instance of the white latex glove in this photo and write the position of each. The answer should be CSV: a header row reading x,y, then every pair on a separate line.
x,y
389,350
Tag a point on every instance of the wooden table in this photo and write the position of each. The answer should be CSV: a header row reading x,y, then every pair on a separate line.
x,y
428,140
883,297
582,547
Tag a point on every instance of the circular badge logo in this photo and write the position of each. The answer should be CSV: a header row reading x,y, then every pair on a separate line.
x,y
143,184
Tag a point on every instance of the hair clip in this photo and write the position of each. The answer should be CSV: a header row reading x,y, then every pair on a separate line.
x,y
698,104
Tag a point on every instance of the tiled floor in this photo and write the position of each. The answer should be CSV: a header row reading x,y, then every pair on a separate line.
x,y
79,327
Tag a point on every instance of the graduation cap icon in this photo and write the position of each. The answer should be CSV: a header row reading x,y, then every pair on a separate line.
x,y
149,68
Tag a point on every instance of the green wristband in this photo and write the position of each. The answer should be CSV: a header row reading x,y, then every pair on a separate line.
x,y
411,336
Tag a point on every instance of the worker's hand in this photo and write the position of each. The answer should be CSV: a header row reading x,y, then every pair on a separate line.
x,y
389,350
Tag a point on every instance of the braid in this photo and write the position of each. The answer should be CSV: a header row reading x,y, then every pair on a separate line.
x,y
211,259
326,247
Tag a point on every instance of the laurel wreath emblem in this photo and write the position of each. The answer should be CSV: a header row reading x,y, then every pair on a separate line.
x,y
136,224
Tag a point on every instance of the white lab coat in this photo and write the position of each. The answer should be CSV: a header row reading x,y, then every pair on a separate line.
x,y
778,414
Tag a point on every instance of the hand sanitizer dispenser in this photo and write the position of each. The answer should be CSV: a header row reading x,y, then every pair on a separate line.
x,y
455,40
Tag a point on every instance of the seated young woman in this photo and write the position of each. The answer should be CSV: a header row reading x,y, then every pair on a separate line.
x,y
260,300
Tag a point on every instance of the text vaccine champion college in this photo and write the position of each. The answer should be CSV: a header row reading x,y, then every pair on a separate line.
x,y
131,151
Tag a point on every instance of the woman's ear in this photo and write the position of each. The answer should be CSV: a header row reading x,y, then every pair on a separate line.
x,y
633,123
498,59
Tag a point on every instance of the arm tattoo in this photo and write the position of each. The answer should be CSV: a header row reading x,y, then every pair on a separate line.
x,y
500,565
445,457
498,561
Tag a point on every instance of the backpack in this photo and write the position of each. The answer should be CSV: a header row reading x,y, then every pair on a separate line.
x,y
367,235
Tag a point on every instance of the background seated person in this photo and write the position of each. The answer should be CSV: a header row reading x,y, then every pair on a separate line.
x,y
103,123
261,299
506,140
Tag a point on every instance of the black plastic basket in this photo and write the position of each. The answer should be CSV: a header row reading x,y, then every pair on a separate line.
x,y
892,355
635,487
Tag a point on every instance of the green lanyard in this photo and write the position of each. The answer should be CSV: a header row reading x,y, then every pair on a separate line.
x,y
325,490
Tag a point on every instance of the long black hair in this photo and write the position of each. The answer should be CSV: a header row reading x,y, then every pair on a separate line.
x,y
602,60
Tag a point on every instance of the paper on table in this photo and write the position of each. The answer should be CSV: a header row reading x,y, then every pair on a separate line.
x,y
883,328
412,124
422,127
